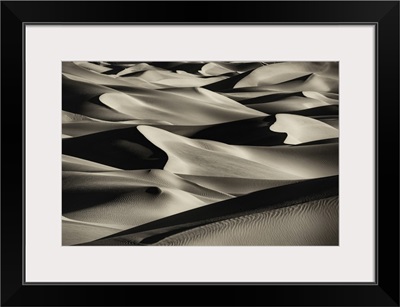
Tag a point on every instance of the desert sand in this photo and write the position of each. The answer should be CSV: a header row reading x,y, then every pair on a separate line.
x,y
200,153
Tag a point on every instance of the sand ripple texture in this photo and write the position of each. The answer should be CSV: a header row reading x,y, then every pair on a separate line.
x,y
311,223
200,153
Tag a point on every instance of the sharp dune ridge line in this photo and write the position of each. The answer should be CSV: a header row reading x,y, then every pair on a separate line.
x,y
200,153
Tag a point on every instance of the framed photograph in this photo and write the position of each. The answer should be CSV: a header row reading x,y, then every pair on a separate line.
x,y
243,153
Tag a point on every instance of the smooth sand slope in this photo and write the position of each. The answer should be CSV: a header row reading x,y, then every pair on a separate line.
x,y
303,76
210,158
317,196
301,129
70,163
195,105
311,223
76,232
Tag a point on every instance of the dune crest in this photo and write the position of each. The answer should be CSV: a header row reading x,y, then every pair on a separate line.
x,y
204,157
196,106
312,223
301,129
278,73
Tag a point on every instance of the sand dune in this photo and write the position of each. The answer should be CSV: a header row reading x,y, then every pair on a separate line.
x,y
79,72
77,232
188,82
174,79
81,98
301,129
130,198
92,66
308,83
216,69
334,122
186,156
124,180
269,200
187,66
286,105
311,223
126,206
236,186
224,68
137,68
70,163
90,127
319,113
331,98
120,148
68,117
247,93
253,131
196,106
279,73
210,158
200,153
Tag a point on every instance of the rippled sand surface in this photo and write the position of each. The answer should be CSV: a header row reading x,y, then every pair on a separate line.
x,y
200,153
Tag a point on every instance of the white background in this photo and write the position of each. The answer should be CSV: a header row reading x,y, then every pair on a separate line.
x,y
48,261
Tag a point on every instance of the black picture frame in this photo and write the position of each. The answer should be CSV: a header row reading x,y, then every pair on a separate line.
x,y
383,14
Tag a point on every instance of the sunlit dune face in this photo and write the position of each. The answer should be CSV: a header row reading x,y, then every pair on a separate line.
x,y
312,222
302,129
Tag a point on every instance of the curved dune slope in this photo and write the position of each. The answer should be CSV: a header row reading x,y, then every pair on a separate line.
x,y
301,129
80,73
81,97
120,148
253,131
261,201
195,105
125,180
120,199
321,76
70,163
288,104
209,158
236,186
311,223
77,232
113,200
93,66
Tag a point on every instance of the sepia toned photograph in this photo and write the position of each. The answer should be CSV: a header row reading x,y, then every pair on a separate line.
x,y
204,153
199,152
